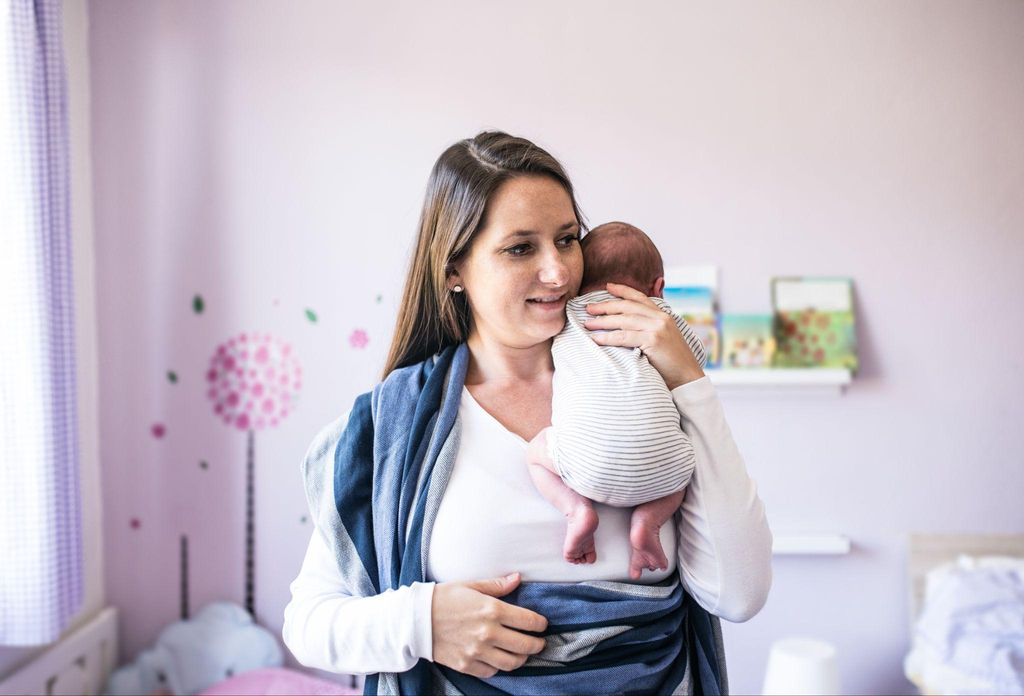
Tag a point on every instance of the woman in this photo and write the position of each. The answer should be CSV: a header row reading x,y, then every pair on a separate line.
x,y
434,561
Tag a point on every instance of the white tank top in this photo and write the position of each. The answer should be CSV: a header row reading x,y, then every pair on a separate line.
x,y
492,520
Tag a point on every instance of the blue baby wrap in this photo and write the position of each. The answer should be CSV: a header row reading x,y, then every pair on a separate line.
x,y
391,465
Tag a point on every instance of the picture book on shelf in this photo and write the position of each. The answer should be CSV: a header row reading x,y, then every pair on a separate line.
x,y
813,323
691,292
747,340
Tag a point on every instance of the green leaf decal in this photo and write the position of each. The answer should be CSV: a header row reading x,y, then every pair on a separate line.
x,y
311,315
197,304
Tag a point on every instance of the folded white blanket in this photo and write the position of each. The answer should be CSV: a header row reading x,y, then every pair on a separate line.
x,y
969,638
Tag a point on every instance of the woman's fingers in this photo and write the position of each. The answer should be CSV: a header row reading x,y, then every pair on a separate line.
x,y
620,290
518,643
624,307
502,659
478,669
521,619
476,633
666,350
624,338
635,322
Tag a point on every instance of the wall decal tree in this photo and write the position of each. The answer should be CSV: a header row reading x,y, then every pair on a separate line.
x,y
253,382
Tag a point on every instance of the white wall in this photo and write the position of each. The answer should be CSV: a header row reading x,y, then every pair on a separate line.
x,y
83,269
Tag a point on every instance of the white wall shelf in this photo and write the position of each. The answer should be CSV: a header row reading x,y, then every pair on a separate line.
x,y
789,379
811,545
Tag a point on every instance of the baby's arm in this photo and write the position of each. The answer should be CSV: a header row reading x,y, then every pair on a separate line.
x,y
538,453
546,478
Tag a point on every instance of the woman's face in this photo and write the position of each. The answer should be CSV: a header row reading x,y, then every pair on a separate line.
x,y
524,264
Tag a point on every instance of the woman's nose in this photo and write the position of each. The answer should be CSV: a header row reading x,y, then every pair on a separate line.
x,y
553,270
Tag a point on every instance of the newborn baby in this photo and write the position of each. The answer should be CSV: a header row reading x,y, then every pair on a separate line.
x,y
615,434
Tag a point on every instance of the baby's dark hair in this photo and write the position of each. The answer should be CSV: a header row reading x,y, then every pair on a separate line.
x,y
617,252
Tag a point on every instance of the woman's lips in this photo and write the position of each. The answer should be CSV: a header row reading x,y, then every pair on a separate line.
x,y
554,304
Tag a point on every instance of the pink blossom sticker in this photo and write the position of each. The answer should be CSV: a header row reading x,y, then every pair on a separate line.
x,y
135,523
247,381
158,430
358,339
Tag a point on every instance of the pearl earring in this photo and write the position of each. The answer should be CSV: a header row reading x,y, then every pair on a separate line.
x,y
457,288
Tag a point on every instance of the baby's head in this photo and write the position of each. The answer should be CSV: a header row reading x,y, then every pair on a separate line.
x,y
616,252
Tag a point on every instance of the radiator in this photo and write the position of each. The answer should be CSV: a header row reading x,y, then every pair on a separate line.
x,y
78,664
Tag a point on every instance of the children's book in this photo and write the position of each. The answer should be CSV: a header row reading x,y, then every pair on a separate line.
x,y
747,340
814,323
692,293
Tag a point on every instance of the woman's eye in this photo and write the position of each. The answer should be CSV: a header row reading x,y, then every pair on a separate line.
x,y
569,239
518,249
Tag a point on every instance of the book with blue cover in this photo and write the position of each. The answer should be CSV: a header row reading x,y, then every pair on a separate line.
x,y
691,292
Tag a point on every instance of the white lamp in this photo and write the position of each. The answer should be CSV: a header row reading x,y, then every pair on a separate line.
x,y
801,666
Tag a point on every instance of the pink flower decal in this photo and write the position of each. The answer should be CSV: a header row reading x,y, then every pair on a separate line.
x,y
253,381
358,339
158,430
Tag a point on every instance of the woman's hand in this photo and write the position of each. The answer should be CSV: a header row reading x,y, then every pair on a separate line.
x,y
477,634
636,322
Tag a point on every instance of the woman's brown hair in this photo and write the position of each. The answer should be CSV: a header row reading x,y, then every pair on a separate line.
x,y
430,317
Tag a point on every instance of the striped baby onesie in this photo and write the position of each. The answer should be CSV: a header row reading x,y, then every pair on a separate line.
x,y
616,437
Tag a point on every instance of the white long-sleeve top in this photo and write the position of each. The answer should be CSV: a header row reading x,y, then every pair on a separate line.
x,y
492,521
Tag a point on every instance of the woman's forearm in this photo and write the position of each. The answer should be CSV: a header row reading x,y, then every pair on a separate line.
x,y
328,629
331,623
724,543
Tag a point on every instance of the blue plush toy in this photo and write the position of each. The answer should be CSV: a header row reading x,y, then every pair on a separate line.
x,y
189,656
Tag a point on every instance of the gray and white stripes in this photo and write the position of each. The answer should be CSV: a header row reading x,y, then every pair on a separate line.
x,y
617,437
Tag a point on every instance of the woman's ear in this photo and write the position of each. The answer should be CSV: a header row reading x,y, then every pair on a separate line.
x,y
452,279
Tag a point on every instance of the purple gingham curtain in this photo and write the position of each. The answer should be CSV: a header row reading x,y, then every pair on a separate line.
x,y
41,583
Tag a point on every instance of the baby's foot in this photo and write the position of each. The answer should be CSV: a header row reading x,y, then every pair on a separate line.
x,y
646,552
579,537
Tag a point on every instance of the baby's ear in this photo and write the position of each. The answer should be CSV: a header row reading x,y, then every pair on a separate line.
x,y
658,288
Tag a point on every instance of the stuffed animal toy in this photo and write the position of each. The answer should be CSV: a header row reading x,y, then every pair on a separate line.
x,y
191,655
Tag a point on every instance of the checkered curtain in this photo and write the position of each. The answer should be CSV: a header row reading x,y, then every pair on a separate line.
x,y
41,584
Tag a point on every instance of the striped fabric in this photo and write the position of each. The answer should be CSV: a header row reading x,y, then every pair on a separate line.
x,y
41,574
616,437
391,464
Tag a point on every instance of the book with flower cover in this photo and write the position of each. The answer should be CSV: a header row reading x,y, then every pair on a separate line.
x,y
814,323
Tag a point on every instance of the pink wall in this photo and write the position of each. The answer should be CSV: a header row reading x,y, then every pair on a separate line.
x,y
272,157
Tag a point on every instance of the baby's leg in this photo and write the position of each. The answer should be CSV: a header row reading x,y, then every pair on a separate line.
x,y
579,511
644,539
